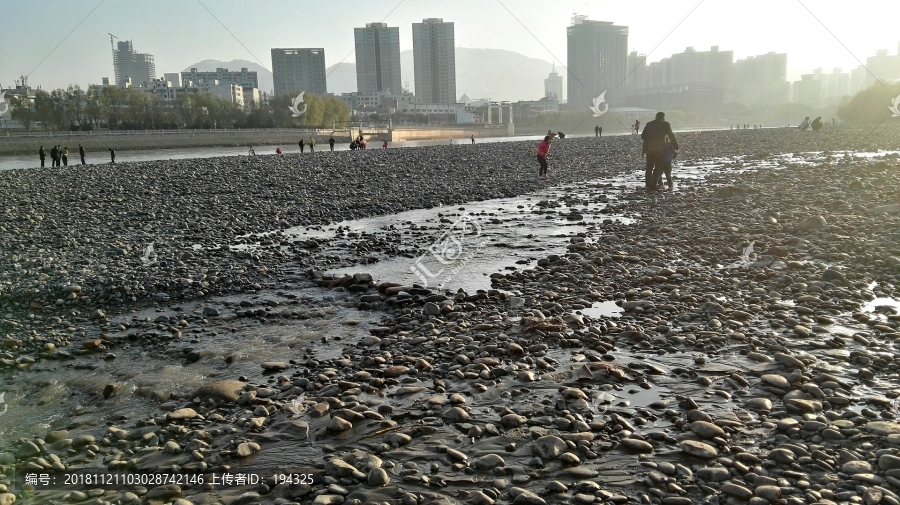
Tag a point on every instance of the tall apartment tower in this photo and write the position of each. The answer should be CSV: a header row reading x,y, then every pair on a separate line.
x,y
553,84
140,67
378,59
597,61
434,57
298,69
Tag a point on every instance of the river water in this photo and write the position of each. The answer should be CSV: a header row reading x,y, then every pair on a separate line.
x,y
12,162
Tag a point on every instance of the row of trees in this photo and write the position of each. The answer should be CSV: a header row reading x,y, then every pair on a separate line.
x,y
132,109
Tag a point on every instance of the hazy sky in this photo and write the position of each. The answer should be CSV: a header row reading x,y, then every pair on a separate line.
x,y
181,32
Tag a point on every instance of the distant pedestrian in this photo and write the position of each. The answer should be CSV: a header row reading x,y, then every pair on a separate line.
x,y
58,156
331,143
112,156
251,152
42,155
597,131
473,140
278,151
384,146
654,148
543,149
451,142
81,153
832,122
53,152
301,144
312,142
65,156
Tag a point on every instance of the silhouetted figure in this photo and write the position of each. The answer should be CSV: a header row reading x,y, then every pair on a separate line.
x,y
473,140
384,146
561,135
251,152
65,156
805,124
53,153
817,124
832,122
81,153
331,143
654,148
42,155
312,143
599,131
301,144
112,156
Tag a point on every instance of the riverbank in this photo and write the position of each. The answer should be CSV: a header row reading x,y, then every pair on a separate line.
x,y
713,377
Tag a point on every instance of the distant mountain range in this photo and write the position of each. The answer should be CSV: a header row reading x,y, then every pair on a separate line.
x,y
480,73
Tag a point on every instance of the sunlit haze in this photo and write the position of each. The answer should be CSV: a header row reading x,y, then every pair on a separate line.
x,y
180,33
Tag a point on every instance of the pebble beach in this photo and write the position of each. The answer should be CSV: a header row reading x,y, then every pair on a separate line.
x,y
732,341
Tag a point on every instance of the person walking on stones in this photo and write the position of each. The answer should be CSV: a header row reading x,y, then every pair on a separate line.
x,y
597,131
65,156
669,159
654,136
251,152
112,156
81,153
312,142
331,143
473,140
53,153
542,150
42,155
384,146
301,144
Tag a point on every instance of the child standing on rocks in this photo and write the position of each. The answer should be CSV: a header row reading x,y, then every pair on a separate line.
x,y
543,149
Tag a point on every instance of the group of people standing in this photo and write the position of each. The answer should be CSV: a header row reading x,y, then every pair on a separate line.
x,y
816,124
660,148
59,157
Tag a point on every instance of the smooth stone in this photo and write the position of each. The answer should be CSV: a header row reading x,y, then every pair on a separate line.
x,y
739,492
776,380
707,430
221,390
854,467
377,478
549,447
633,444
699,449
488,462
181,414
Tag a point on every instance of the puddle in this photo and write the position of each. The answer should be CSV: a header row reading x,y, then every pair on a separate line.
x,y
603,309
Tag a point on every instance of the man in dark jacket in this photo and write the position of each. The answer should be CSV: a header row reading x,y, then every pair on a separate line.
x,y
654,136
53,156
42,155
81,153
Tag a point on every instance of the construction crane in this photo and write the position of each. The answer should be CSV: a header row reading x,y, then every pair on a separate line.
x,y
113,47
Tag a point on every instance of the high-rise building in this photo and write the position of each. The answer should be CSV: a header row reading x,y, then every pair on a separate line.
x,y
712,68
882,67
129,63
298,69
808,91
597,61
377,59
244,78
434,58
762,80
637,71
553,85
835,86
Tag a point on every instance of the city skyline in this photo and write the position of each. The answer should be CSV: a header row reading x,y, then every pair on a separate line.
x,y
755,31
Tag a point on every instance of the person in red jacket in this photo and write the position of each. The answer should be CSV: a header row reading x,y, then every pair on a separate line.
x,y
543,149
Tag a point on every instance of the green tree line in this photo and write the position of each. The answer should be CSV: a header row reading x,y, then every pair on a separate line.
x,y
872,105
132,109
